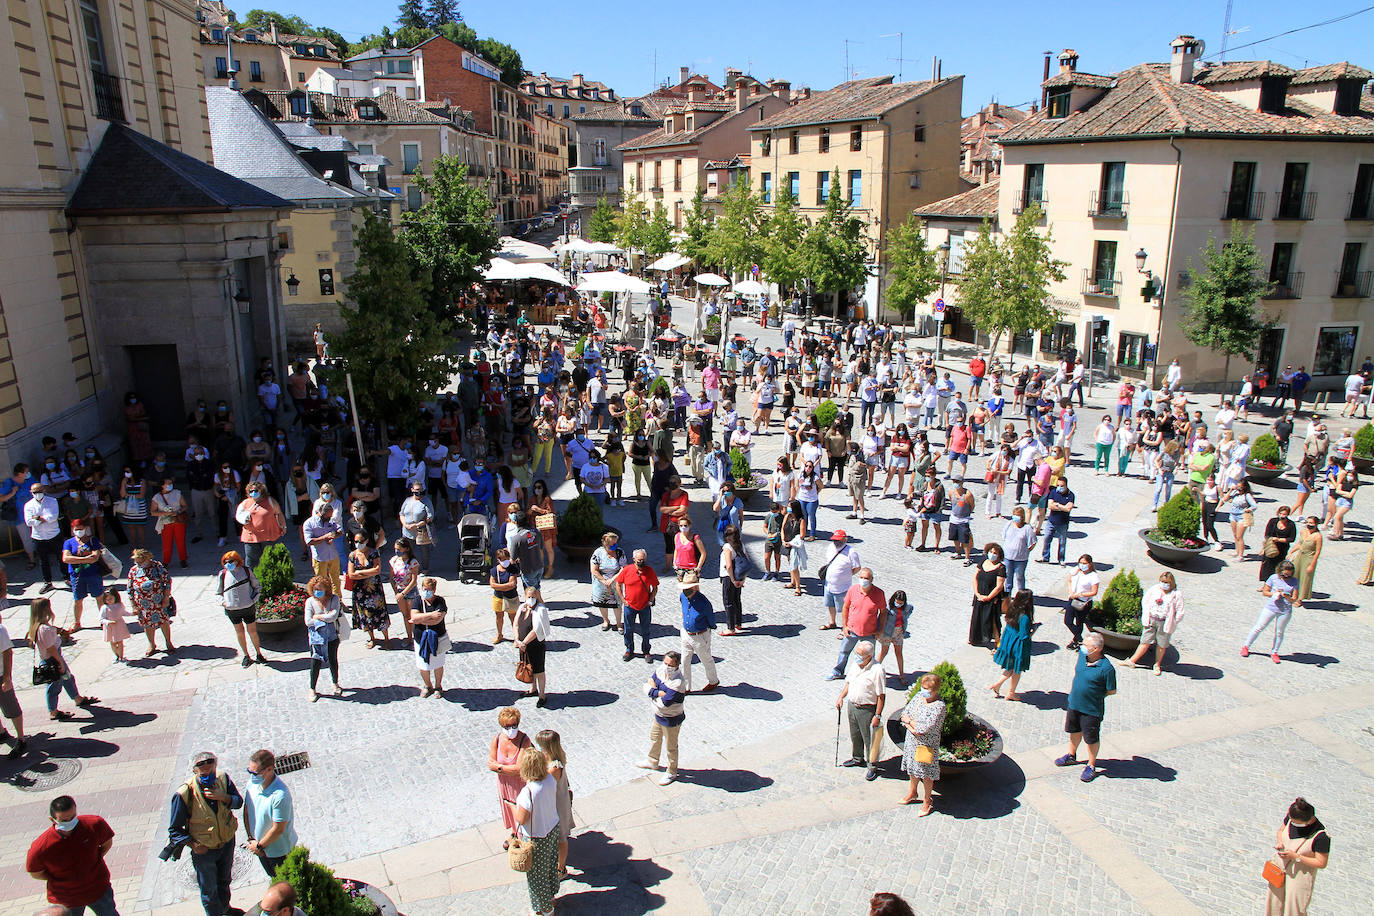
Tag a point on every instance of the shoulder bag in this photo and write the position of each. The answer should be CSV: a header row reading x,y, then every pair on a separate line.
x,y
46,672
1270,549
520,854
1274,874
343,624
524,673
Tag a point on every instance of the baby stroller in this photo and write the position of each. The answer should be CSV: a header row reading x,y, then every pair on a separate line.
x,y
473,561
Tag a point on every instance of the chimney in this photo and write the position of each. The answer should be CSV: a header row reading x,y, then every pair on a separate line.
x,y
996,109
732,74
781,88
273,24
1068,60
1044,93
692,91
741,90
1187,50
982,117
683,73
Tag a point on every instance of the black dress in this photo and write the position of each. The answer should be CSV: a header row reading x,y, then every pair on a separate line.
x,y
985,623
1277,528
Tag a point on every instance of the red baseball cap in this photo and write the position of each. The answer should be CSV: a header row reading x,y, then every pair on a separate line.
x,y
839,535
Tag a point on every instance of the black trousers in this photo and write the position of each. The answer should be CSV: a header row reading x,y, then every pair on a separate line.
x,y
1023,479
734,606
332,650
48,553
1075,620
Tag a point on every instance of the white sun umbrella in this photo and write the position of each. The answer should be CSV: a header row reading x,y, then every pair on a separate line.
x,y
603,248
670,261
521,250
611,281
711,280
581,245
505,269
749,288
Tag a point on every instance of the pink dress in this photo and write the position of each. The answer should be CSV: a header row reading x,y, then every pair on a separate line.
x,y
112,622
508,785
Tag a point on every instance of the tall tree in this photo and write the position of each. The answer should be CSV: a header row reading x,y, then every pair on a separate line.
x,y
503,56
697,228
985,271
393,344
913,269
439,12
412,14
784,260
601,226
658,235
834,249
452,234
1222,302
736,238
634,225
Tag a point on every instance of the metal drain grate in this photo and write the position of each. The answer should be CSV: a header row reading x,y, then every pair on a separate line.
x,y
47,775
290,763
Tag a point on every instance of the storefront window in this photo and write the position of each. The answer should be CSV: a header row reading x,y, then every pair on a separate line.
x,y
1130,350
1335,347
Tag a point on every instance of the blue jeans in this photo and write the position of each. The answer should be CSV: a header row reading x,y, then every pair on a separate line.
x,y
65,682
1280,621
105,906
809,507
846,647
1164,488
866,412
644,616
213,874
1058,533
1016,574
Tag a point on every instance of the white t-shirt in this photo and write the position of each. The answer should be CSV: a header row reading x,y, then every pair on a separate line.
x,y
1105,434
453,473
1353,383
596,390
1225,418
5,642
540,799
396,460
839,574
594,477
1082,582
269,392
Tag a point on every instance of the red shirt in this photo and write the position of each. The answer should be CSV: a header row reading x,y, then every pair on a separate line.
x,y
636,584
864,609
977,367
77,873
669,501
958,439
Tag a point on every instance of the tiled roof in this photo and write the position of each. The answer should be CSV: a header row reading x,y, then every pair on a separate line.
x,y
658,137
1241,70
325,106
734,162
133,173
854,101
1075,78
699,105
1146,102
1341,71
979,203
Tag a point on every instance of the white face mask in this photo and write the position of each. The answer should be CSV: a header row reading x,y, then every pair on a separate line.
x,y
511,731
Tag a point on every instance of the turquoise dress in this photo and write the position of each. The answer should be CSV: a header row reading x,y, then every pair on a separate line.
x,y
1014,652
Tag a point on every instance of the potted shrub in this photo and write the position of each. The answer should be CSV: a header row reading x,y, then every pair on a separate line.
x,y
661,388
711,333
747,481
1174,539
580,528
1363,455
967,741
1265,461
1117,615
319,890
281,606
825,413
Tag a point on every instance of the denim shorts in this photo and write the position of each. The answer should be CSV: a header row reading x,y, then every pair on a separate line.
x,y
834,599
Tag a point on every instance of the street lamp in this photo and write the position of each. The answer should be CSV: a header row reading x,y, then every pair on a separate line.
x,y
1140,257
1152,289
940,316
293,285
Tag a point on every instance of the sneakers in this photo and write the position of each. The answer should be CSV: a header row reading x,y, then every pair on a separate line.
x,y
647,764
709,687
627,656
872,774
832,676
1244,651
1274,658
1089,773
852,762
246,661
667,779
1067,760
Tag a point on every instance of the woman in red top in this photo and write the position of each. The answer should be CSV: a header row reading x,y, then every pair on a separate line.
x,y
505,752
898,458
688,550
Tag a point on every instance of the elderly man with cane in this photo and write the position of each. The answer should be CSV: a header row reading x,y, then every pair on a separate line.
x,y
865,688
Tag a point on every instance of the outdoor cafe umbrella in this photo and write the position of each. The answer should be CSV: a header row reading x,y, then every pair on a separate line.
x,y
711,280
749,288
670,261
504,269
612,281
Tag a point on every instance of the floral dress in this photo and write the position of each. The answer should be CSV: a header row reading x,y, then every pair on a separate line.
x,y
929,719
634,413
148,588
369,601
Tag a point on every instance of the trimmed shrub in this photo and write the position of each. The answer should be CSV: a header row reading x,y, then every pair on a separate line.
x,y
661,387
581,522
955,696
275,571
1178,519
1119,607
739,465
826,412
1364,441
1265,451
580,346
317,889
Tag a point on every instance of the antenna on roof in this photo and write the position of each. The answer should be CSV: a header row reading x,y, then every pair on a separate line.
x,y
899,59
848,75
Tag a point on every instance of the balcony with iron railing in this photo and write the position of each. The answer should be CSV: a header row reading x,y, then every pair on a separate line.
x,y
1286,286
1107,206
1095,284
109,98
1359,207
1022,200
1353,285
1247,206
1296,206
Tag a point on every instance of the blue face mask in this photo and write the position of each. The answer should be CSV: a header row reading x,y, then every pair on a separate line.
x,y
428,595
319,593
206,781
230,565
255,778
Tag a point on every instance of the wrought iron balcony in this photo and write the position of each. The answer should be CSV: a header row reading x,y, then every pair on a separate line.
x,y
109,98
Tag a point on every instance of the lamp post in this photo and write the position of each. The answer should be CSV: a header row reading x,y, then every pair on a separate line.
x,y
940,316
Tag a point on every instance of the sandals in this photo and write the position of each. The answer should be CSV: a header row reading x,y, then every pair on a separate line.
x,y
59,715
830,626
83,702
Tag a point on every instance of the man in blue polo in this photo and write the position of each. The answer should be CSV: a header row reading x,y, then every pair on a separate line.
x,y
1093,681
698,622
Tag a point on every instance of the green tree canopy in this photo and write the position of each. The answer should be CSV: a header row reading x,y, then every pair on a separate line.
x,y
784,256
441,12
412,14
393,344
1222,302
294,25
913,269
736,241
697,228
503,56
1006,282
452,234
658,235
834,250
601,226
634,225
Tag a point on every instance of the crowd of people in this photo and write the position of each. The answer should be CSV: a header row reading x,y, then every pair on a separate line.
x,y
934,445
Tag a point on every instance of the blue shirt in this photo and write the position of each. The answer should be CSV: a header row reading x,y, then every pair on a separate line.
x,y
80,570
1092,681
697,614
264,807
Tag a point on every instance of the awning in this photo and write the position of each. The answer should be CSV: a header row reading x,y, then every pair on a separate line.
x,y
670,261
520,250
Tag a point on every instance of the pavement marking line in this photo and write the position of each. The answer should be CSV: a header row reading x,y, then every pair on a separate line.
x,y
1147,887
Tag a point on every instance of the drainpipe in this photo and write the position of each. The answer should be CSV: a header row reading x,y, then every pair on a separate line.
x,y
1168,259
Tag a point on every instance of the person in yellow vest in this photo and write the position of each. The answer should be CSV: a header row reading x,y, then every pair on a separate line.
x,y
203,818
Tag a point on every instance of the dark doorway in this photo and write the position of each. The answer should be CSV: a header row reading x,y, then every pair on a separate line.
x,y
157,379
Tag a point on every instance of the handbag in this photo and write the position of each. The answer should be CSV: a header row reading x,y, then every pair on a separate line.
x,y
1249,517
1274,874
344,625
923,754
1271,548
1078,604
121,506
545,521
46,672
171,607
111,562
520,854
525,675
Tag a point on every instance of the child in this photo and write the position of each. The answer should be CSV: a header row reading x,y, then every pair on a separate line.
x,y
615,463
112,614
772,543
894,631
911,520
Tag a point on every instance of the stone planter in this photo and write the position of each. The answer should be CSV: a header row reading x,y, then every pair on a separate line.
x,y
282,626
582,551
1122,642
1169,553
1363,464
384,905
1260,474
897,733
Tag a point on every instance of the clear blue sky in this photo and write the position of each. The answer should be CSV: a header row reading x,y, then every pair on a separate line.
x,y
999,47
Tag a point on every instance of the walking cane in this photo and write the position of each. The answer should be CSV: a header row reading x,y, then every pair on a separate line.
x,y
837,736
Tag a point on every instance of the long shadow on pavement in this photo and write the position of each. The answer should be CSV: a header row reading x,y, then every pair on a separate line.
x,y
110,719
1045,699
482,699
624,881
579,698
725,780
1137,768
989,793
749,692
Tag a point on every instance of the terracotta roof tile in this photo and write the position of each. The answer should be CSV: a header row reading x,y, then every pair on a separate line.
x,y
978,203
1241,70
1146,102
326,106
1076,78
658,137
1341,71
859,100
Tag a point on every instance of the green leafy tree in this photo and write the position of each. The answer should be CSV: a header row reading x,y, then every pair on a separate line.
x,y
634,225
697,227
393,344
1222,303
784,257
913,270
503,56
295,25
452,234
834,248
601,227
441,12
736,240
412,14
658,235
